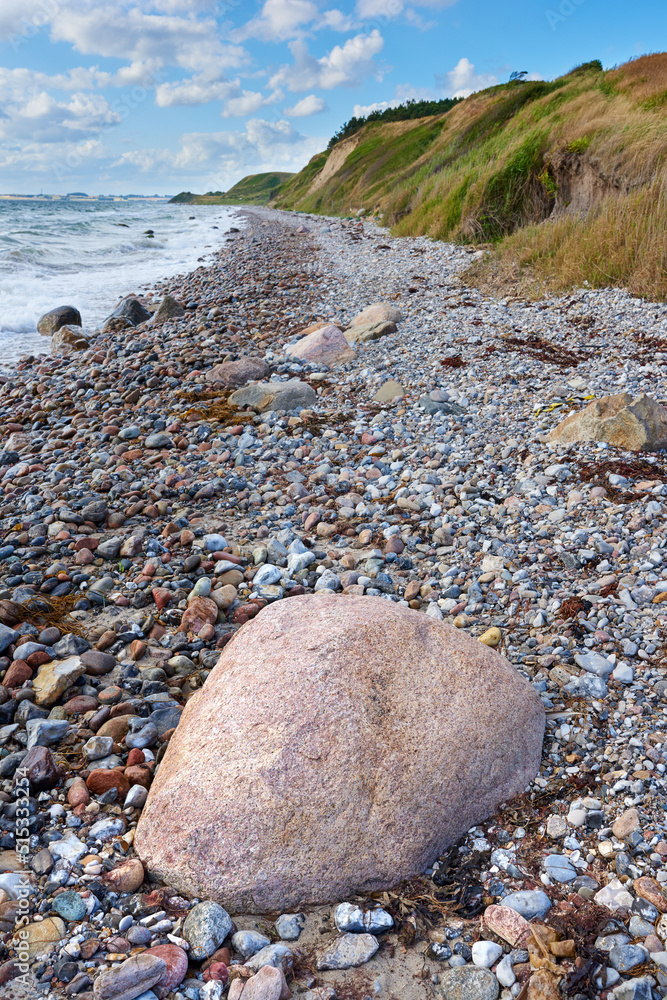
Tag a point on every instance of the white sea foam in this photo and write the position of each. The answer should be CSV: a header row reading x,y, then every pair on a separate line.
x,y
90,254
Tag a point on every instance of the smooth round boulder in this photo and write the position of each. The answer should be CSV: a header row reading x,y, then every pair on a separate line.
x,y
330,726
51,321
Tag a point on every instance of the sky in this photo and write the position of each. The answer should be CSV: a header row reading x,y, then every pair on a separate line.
x,y
161,96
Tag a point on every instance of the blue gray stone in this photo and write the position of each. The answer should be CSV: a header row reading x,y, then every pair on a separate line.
x,y
70,906
205,928
594,663
290,925
634,989
107,828
159,440
348,951
248,943
267,574
559,868
7,637
215,543
528,902
624,957
276,955
587,685
44,732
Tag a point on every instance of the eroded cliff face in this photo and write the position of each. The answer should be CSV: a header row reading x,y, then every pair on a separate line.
x,y
582,183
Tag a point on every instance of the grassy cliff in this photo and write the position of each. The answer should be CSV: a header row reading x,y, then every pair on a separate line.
x,y
256,189
565,180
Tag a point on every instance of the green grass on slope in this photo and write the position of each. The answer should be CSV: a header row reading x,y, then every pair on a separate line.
x,y
566,179
256,189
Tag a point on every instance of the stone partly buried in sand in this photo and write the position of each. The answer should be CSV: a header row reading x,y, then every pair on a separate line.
x,y
329,727
379,312
374,322
635,426
368,331
233,374
388,390
169,308
261,396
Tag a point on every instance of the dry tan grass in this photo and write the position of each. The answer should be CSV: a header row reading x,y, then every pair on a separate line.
x,y
642,78
621,243
497,167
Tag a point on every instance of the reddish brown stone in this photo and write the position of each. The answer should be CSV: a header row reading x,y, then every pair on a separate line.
x,y
217,971
507,924
78,794
80,704
122,708
118,944
86,543
137,649
177,964
17,673
394,544
110,695
139,774
116,728
106,639
102,779
89,947
9,970
37,658
135,757
221,955
162,597
648,888
125,877
199,612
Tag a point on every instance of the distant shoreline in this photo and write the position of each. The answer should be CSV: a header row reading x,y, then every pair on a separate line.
x,y
79,198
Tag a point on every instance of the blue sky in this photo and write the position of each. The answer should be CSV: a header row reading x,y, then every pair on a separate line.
x,y
159,96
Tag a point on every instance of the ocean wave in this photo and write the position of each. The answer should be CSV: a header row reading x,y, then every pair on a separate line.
x,y
56,253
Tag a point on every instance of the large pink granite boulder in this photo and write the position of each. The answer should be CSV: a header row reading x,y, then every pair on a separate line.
x,y
340,744
326,345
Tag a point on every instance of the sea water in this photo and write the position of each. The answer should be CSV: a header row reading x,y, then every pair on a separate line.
x,y
89,254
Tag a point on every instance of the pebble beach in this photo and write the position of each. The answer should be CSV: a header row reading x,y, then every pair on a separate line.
x,y
153,501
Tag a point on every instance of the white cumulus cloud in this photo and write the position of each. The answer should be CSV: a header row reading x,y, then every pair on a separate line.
x,y
345,65
310,105
389,10
462,81
279,20
197,90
